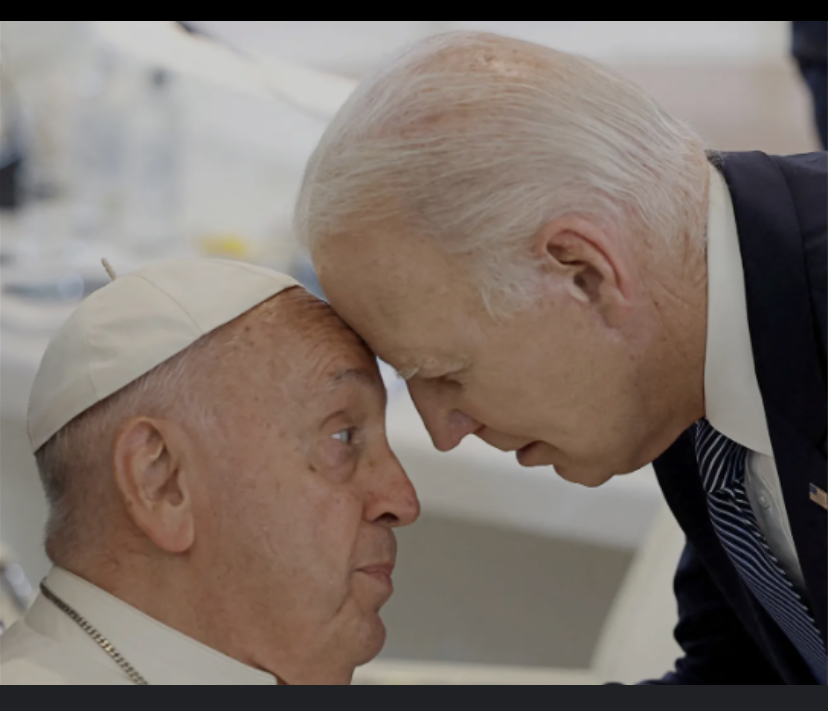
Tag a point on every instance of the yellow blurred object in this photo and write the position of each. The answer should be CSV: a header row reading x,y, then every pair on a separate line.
x,y
231,245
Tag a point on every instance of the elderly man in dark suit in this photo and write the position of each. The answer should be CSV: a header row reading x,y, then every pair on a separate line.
x,y
558,267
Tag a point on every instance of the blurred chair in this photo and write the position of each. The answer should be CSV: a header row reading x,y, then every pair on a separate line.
x,y
637,642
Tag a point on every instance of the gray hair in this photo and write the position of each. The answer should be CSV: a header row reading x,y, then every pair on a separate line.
x,y
75,463
478,141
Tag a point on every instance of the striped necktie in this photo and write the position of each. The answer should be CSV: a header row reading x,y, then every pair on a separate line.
x,y
722,465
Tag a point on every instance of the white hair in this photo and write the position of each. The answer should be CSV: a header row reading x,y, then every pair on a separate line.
x,y
478,141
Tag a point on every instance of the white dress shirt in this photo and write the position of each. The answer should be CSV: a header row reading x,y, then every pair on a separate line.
x,y
734,401
47,648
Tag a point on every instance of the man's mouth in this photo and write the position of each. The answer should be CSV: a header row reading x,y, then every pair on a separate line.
x,y
382,573
524,456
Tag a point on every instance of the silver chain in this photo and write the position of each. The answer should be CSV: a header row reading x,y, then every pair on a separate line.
x,y
99,639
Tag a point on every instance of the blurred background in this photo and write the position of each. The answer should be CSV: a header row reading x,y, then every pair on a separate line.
x,y
138,141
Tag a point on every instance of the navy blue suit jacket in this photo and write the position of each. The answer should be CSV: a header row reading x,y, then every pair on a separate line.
x,y
782,214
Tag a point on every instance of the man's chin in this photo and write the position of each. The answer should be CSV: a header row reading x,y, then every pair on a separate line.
x,y
540,454
589,478
373,640
591,475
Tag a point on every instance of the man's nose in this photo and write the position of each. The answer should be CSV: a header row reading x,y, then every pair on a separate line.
x,y
393,501
447,425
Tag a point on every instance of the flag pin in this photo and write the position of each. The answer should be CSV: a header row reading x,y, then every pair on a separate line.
x,y
819,497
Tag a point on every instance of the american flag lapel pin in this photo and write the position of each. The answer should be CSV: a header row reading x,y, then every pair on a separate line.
x,y
819,497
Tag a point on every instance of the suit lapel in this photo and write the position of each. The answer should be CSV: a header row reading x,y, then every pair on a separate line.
x,y
786,353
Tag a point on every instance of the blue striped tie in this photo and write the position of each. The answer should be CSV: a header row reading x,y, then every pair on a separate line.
x,y
722,465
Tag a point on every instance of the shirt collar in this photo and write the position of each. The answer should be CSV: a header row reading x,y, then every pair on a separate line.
x,y
734,401
161,655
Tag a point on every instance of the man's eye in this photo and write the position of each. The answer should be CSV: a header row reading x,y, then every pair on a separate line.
x,y
345,436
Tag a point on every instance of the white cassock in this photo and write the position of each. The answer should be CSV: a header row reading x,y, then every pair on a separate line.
x,y
47,648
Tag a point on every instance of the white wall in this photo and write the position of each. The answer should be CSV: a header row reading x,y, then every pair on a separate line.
x,y
697,40
350,46
731,79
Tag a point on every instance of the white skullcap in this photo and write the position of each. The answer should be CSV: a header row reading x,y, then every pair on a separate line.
x,y
135,324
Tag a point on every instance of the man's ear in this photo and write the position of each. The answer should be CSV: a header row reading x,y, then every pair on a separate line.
x,y
156,489
592,266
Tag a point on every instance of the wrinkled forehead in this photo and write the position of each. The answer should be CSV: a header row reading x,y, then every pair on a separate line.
x,y
293,343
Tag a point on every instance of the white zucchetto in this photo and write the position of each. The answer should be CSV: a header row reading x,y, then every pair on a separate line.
x,y
139,321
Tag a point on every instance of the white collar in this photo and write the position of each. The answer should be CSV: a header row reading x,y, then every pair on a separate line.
x,y
161,655
734,401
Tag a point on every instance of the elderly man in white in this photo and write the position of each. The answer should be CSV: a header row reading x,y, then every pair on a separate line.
x,y
223,498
